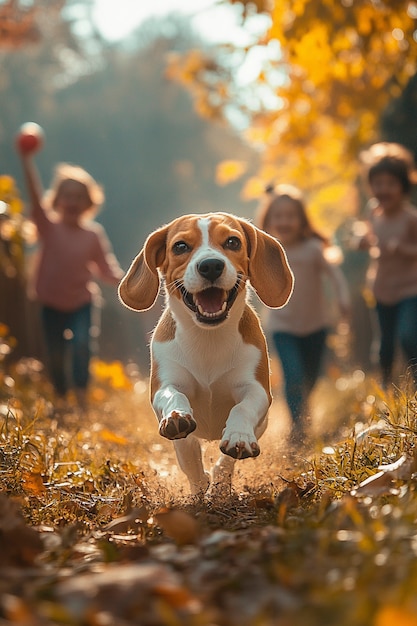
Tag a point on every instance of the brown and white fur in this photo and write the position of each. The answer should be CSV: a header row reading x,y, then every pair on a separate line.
x,y
210,376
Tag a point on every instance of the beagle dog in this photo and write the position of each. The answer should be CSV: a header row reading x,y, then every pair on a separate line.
x,y
210,375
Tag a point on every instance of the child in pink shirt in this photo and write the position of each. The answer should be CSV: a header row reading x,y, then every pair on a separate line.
x,y
392,241
299,329
74,250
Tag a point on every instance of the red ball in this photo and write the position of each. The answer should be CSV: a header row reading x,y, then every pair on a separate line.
x,y
29,138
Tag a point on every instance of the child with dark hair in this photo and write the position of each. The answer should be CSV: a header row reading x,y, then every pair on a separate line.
x,y
392,242
74,250
299,330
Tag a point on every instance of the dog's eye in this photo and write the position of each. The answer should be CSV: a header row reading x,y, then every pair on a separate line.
x,y
180,247
233,243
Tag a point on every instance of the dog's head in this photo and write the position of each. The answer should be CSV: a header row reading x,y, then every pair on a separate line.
x,y
206,261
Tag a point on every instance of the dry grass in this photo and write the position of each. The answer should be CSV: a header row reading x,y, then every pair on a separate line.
x,y
97,527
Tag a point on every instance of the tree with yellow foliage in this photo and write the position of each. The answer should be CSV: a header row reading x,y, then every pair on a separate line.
x,y
341,61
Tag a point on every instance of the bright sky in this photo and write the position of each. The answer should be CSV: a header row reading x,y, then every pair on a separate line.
x,y
216,23
117,18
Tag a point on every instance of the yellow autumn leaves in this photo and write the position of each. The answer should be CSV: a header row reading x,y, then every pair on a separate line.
x,y
398,615
112,374
9,196
340,63
15,230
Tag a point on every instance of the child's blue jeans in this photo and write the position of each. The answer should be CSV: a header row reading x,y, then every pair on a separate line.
x,y
398,322
301,360
67,339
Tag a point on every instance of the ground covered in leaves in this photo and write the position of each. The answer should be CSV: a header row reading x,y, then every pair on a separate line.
x,y
97,527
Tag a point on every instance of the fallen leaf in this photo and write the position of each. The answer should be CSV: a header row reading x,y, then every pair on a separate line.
x,y
33,483
16,610
376,485
19,544
178,525
403,469
389,615
132,520
383,482
125,591
178,597
377,430
290,496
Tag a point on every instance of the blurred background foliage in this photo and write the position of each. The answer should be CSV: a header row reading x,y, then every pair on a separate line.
x,y
110,108
331,78
337,75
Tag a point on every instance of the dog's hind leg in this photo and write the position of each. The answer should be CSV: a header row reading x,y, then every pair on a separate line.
x,y
222,474
190,461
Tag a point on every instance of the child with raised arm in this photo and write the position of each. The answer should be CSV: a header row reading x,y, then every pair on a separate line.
x,y
392,242
74,250
299,329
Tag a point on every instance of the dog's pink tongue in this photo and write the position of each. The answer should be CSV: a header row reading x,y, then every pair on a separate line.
x,y
211,300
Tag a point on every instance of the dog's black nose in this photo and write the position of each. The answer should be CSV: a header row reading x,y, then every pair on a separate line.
x,y
211,268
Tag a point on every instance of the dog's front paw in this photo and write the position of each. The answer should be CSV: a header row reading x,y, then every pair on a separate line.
x,y
239,445
177,425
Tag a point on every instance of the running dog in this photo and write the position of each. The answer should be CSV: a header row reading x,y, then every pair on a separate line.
x,y
210,374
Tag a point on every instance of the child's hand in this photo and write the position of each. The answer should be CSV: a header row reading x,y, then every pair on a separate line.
x,y
29,139
366,242
361,237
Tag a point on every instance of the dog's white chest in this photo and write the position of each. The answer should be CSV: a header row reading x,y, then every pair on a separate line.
x,y
208,359
213,378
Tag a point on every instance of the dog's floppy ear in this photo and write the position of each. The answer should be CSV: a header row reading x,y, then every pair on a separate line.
x,y
139,288
269,272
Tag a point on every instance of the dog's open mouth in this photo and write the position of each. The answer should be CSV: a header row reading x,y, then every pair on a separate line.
x,y
211,305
